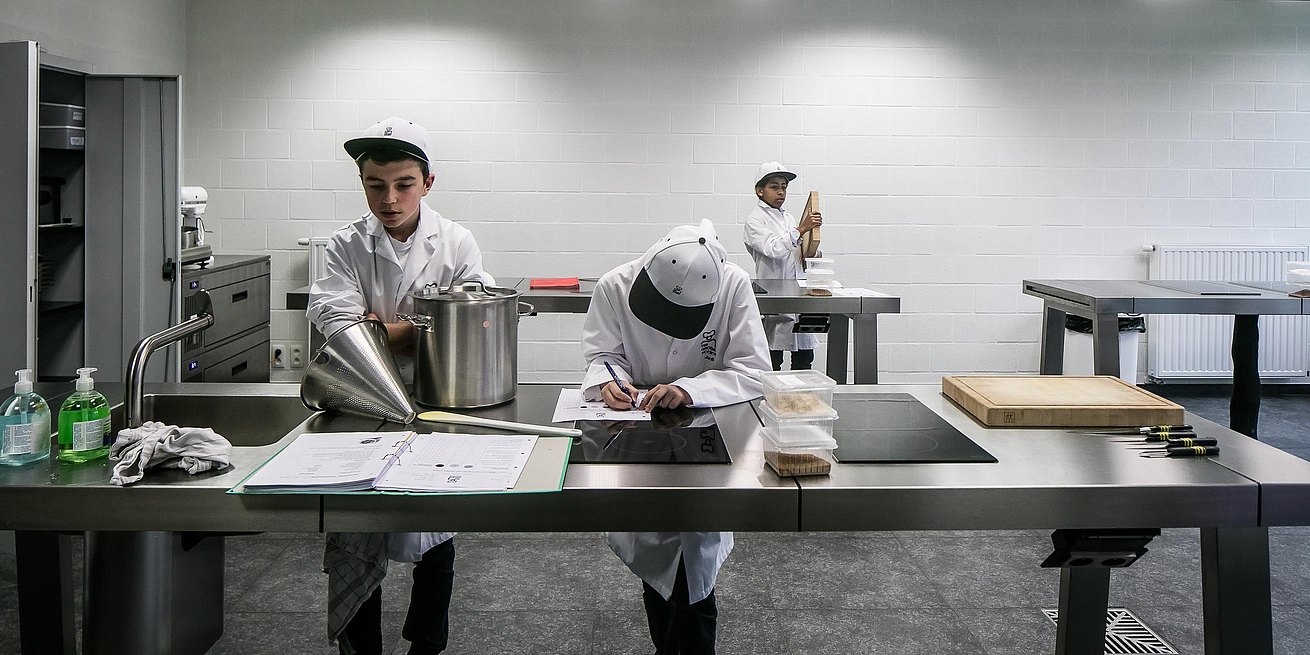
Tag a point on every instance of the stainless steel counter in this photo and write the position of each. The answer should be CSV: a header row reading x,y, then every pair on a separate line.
x,y
1103,300
1043,479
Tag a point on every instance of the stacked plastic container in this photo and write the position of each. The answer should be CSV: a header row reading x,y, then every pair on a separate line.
x,y
819,273
798,416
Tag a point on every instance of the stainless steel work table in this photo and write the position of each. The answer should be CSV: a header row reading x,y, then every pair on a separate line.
x,y
1044,479
683,497
1049,478
780,297
1103,300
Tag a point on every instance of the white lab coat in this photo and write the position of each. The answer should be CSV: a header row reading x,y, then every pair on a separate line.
x,y
363,275
775,245
363,272
719,367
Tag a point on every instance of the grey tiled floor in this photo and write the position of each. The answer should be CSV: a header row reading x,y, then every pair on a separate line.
x,y
907,593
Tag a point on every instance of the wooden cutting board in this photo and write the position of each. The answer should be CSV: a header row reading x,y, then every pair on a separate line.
x,y
1058,401
810,240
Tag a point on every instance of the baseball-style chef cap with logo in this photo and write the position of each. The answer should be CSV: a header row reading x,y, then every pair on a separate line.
x,y
407,136
679,281
770,168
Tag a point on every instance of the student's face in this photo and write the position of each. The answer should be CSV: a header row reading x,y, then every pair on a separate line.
x,y
394,192
773,192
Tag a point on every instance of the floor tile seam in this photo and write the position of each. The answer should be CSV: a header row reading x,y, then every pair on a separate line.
x,y
259,575
920,566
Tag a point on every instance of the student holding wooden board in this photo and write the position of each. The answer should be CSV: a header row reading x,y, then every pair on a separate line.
x,y
775,240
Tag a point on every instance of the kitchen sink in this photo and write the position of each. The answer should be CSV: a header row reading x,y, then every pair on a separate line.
x,y
243,420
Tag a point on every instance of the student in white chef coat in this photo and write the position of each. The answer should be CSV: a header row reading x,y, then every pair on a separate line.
x,y
773,238
682,323
373,263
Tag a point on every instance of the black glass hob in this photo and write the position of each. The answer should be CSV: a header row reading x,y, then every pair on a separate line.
x,y
670,437
896,428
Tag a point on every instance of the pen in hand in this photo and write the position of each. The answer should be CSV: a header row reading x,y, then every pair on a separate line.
x,y
632,397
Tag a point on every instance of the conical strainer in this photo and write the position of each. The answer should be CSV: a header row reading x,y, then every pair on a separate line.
x,y
354,373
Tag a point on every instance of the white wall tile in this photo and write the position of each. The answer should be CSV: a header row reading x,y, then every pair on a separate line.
x,y
1045,146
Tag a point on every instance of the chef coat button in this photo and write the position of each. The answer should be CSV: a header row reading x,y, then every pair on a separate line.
x,y
675,352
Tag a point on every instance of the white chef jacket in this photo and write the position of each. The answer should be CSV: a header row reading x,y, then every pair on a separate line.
x,y
363,272
719,367
775,245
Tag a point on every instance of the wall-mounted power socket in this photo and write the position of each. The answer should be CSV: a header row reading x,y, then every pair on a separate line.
x,y
279,355
296,354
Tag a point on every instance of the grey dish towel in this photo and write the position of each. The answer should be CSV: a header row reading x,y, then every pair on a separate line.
x,y
154,444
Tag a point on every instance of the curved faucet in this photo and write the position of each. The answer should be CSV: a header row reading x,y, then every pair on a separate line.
x,y
136,364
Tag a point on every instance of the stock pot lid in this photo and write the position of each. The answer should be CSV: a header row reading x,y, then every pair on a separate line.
x,y
472,290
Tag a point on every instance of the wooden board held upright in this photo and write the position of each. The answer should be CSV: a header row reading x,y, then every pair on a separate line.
x,y
1058,401
810,240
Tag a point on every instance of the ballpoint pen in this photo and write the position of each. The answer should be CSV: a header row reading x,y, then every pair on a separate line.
x,y
622,387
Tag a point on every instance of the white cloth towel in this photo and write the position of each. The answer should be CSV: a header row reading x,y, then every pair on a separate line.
x,y
155,445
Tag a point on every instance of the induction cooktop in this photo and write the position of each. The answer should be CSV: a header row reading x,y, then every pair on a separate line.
x,y
897,428
671,437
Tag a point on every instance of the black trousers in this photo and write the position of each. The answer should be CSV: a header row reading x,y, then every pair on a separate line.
x,y
676,626
427,624
800,359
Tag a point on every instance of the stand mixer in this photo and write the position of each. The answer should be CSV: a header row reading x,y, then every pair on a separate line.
x,y
193,200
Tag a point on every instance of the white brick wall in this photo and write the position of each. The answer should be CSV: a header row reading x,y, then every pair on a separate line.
x,y
962,145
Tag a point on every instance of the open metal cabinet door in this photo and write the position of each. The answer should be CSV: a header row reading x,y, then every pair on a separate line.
x,y
133,222
18,203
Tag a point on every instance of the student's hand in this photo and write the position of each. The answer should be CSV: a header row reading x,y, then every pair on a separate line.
x,y
809,222
667,396
400,335
616,398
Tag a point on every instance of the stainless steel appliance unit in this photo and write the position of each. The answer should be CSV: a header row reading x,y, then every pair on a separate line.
x,y
235,348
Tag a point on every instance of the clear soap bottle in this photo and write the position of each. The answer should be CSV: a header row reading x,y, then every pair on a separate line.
x,y
24,424
84,430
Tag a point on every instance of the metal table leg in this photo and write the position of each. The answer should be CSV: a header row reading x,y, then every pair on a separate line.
x,y
866,348
1235,591
1084,595
45,592
1105,344
1244,407
1052,353
838,336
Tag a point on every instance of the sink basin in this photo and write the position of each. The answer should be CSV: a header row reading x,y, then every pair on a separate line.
x,y
243,420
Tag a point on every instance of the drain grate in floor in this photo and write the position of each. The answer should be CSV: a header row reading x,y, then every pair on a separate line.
x,y
1125,634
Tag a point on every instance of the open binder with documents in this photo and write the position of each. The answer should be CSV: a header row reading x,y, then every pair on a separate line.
x,y
410,462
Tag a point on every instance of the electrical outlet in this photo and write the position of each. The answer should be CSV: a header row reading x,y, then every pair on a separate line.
x,y
279,355
296,354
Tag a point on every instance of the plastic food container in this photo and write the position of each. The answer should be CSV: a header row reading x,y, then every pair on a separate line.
x,y
797,446
1298,273
798,393
819,273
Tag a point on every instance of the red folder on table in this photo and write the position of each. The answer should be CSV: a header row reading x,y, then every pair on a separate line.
x,y
554,283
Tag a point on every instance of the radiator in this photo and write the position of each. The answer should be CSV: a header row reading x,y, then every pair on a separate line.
x,y
1183,346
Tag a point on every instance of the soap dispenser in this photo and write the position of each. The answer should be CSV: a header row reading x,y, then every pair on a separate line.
x,y
24,424
84,430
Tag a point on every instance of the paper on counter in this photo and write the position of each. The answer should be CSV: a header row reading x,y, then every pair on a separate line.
x,y
849,292
572,407
459,462
340,461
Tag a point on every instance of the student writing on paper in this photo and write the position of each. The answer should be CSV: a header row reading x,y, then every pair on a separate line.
x,y
773,238
373,264
682,322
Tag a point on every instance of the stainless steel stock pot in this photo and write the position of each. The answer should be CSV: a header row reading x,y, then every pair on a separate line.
x,y
466,344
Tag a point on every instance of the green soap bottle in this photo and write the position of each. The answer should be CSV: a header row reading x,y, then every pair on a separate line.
x,y
84,430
